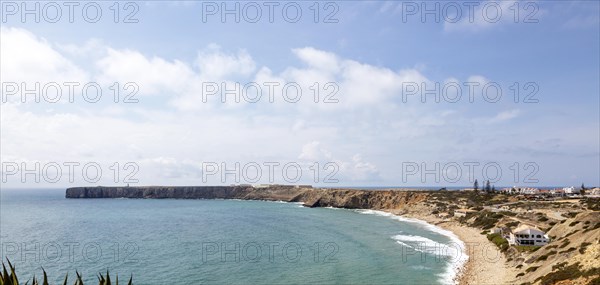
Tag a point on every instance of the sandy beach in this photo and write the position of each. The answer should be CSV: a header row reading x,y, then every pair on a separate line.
x,y
486,264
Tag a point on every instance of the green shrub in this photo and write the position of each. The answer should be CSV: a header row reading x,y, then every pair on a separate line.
x,y
592,204
573,223
527,248
564,243
570,214
531,269
485,219
7,278
570,272
597,225
568,250
545,256
595,281
499,241
583,247
559,266
566,273
569,234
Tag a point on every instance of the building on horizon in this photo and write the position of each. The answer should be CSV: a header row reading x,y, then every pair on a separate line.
x,y
572,190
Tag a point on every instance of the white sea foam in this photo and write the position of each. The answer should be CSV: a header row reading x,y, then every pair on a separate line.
x,y
454,250
300,204
420,267
403,244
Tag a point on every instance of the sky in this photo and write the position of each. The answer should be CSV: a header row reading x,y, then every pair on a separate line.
x,y
352,93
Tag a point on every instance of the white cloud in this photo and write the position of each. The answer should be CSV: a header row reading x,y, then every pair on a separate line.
x,y
318,59
215,64
153,75
28,58
363,170
314,152
367,133
505,116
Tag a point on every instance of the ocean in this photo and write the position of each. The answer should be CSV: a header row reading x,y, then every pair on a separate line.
x,y
175,241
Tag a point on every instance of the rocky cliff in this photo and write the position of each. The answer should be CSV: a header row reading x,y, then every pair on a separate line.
x,y
311,197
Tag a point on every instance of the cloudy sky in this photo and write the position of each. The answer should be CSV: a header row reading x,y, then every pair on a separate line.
x,y
517,93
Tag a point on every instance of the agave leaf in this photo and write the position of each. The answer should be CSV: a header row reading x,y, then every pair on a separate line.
x,y
5,276
130,280
13,275
66,277
107,277
79,281
45,277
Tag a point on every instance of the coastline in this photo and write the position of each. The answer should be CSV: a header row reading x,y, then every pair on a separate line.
x,y
485,263
480,263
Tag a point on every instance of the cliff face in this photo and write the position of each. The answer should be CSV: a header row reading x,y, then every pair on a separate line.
x,y
311,197
206,192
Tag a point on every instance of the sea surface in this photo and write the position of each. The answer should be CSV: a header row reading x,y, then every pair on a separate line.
x,y
174,241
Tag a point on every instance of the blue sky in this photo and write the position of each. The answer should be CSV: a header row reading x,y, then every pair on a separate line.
x,y
369,53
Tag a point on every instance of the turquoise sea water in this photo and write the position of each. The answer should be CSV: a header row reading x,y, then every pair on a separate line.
x,y
216,242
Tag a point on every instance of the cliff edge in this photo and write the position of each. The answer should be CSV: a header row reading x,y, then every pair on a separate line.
x,y
311,197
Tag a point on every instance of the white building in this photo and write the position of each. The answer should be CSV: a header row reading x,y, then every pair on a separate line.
x,y
571,190
527,235
529,191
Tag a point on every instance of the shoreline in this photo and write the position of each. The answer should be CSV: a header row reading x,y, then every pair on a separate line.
x,y
480,263
485,263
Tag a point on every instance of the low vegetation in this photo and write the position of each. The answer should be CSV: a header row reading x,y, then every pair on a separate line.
x,y
583,247
587,229
7,278
568,250
591,203
527,248
499,241
562,272
545,256
486,220
565,234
